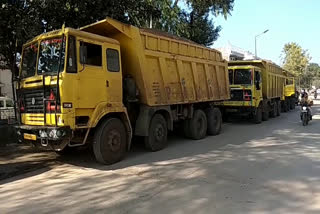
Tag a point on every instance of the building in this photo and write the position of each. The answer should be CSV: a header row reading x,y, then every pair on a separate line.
x,y
232,53
5,83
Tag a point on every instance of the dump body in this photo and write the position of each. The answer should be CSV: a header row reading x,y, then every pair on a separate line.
x,y
167,69
273,78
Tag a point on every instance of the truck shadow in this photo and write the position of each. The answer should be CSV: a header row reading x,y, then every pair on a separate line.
x,y
235,133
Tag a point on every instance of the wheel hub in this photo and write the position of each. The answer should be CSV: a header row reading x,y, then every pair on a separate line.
x,y
114,140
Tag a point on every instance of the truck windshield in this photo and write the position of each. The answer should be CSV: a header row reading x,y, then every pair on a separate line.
x,y
28,66
242,76
230,76
51,51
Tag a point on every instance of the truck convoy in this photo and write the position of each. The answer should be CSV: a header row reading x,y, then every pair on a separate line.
x,y
105,82
259,89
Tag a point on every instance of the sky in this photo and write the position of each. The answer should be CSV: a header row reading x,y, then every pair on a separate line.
x,y
287,21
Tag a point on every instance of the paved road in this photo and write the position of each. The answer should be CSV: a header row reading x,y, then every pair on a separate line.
x,y
273,167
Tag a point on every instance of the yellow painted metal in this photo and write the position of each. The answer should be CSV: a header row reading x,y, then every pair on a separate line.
x,y
167,69
272,82
273,78
290,85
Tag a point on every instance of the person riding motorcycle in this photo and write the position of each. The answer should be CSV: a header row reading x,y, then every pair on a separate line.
x,y
306,101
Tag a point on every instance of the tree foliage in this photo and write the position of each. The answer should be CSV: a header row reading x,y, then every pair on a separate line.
x,y
295,58
20,20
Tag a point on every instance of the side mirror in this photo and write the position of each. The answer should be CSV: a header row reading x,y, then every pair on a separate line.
x,y
83,54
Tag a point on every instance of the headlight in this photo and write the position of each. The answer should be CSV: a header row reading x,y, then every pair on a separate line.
x,y
304,108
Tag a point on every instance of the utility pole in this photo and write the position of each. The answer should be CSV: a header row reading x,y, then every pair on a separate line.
x,y
255,42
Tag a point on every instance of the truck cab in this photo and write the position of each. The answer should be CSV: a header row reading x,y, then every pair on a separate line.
x,y
69,79
245,89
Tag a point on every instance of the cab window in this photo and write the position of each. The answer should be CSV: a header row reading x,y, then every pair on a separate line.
x,y
90,54
71,60
113,64
1,103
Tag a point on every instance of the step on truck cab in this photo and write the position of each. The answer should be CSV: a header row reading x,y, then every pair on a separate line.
x,y
256,89
105,82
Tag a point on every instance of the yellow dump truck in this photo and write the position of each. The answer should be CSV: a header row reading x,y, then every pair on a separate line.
x,y
256,88
290,100
105,82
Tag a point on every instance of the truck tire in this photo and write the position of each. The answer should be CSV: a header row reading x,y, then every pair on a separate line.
x,y
278,108
257,117
287,105
292,103
198,125
273,113
158,134
265,115
186,128
214,120
110,141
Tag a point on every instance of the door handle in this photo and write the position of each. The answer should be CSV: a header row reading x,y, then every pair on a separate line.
x,y
107,83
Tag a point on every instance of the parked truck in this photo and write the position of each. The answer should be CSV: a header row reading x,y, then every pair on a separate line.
x,y
256,88
105,82
290,100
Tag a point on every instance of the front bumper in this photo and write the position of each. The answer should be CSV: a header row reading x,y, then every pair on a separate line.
x,y
52,137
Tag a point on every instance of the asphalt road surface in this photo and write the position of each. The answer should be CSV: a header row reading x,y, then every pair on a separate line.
x,y
273,167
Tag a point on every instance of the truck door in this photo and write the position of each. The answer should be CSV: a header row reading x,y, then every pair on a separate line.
x,y
91,75
112,68
257,85
100,78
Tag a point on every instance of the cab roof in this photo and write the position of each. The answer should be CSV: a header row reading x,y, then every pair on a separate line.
x,y
72,31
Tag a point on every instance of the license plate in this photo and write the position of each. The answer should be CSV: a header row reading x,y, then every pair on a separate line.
x,y
29,136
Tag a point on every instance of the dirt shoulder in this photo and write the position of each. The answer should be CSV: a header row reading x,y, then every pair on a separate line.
x,y
17,159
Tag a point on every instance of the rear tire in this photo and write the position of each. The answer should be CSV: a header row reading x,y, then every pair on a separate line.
x,y
158,134
292,103
278,108
198,125
214,120
288,105
273,113
265,115
110,141
258,115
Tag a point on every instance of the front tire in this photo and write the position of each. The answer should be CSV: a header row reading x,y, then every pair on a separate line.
x,y
110,141
158,134
258,115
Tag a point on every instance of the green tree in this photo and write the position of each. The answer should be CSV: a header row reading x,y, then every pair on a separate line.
x,y
295,59
20,20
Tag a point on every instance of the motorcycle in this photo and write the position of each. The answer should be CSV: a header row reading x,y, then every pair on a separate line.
x,y
305,115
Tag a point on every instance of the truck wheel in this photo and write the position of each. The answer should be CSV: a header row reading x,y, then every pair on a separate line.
x,y
287,104
292,103
214,120
198,125
110,141
186,128
158,133
273,113
258,115
265,115
278,108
